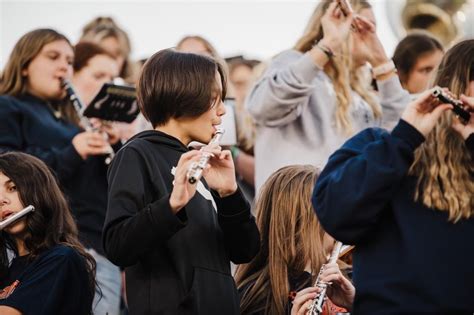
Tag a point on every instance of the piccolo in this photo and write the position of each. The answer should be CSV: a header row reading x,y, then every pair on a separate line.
x,y
79,108
316,307
16,216
195,171
463,115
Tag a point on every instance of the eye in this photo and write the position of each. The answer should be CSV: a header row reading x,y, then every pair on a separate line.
x,y
11,188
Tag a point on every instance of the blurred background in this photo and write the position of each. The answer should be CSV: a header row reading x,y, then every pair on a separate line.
x,y
256,29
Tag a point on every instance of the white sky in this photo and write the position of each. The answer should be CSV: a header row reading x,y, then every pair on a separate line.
x,y
257,29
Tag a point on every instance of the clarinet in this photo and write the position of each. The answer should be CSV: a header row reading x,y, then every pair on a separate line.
x,y
16,216
79,108
463,115
316,307
195,171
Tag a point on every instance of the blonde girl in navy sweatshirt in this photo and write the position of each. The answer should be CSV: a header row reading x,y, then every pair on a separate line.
x,y
405,199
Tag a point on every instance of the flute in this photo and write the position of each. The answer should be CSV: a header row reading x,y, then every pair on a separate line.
x,y
463,115
79,107
316,306
16,216
195,171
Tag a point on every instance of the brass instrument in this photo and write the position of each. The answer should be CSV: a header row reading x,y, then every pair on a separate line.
x,y
442,18
196,169
5,223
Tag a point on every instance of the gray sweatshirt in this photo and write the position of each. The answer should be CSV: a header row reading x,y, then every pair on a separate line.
x,y
294,106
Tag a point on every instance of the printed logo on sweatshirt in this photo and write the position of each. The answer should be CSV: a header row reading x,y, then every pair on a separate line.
x,y
201,189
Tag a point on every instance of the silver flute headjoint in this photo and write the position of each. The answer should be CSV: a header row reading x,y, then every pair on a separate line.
x,y
195,170
16,216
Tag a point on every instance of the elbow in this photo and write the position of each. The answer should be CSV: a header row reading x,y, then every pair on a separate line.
x,y
249,251
114,251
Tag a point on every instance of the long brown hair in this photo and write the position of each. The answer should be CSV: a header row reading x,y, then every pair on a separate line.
x,y
340,69
443,164
14,83
51,223
291,236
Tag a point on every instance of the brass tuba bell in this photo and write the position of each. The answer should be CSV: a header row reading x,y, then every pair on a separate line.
x,y
442,18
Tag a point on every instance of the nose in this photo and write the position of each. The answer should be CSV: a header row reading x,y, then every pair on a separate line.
x,y
3,199
221,108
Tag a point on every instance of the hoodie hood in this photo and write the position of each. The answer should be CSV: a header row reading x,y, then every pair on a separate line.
x,y
161,138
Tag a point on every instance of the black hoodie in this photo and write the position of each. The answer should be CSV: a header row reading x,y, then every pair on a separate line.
x,y
175,264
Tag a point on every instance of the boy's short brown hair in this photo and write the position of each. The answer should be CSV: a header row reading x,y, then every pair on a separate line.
x,y
175,85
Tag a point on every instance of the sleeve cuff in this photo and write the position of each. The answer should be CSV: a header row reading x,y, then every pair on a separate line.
x,y
409,134
166,223
305,69
233,204
470,142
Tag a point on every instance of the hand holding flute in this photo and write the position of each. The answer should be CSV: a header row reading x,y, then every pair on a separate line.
x,y
212,163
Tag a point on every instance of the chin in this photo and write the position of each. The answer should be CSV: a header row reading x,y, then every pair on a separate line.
x,y
16,229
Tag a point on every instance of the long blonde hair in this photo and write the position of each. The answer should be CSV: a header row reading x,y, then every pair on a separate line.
x,y
340,69
291,236
443,164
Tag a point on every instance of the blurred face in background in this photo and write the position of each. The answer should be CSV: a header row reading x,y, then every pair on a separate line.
x,y
422,73
241,78
112,46
194,46
88,81
44,72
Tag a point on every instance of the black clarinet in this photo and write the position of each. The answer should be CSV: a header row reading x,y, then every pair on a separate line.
x,y
79,108
463,115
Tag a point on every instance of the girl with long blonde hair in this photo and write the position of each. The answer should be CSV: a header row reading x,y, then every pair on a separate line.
x,y
293,244
314,96
405,199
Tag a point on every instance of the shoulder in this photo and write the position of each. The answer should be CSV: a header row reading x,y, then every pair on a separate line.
x,y
288,55
8,102
61,255
366,136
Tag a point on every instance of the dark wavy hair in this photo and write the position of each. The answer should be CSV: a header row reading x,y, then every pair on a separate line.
x,y
51,223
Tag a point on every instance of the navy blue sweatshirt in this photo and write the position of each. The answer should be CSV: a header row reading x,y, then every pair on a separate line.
x,y
409,258
28,124
175,264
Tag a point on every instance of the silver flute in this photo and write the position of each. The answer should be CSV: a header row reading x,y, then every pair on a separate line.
x,y
79,108
16,216
316,307
195,170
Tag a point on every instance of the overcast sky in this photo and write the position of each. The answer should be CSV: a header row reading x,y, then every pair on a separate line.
x,y
257,29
